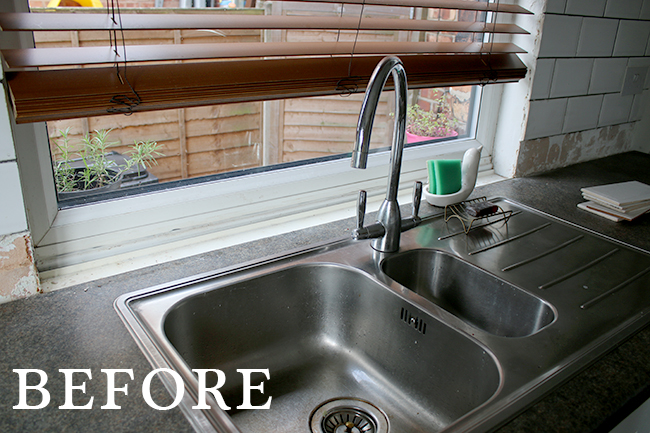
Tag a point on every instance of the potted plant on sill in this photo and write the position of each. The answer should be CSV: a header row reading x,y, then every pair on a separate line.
x,y
96,169
422,125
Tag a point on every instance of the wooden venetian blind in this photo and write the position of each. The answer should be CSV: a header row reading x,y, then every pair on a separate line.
x,y
325,47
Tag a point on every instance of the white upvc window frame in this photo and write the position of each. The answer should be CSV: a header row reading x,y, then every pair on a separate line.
x,y
148,228
87,242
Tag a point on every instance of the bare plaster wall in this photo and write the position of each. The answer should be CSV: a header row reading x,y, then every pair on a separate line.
x,y
547,153
18,275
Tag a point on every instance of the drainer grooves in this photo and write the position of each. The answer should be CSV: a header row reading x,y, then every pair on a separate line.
x,y
413,321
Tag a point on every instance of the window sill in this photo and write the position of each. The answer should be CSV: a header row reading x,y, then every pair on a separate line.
x,y
59,278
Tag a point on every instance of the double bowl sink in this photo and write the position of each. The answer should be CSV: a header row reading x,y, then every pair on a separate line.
x,y
455,332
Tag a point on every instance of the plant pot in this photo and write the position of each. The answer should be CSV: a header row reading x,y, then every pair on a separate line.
x,y
412,138
128,179
115,185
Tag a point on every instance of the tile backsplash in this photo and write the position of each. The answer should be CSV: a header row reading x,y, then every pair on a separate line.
x,y
586,49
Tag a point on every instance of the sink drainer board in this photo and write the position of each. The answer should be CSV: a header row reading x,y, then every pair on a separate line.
x,y
455,332
539,254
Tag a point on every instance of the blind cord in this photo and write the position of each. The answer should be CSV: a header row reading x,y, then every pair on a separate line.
x,y
125,103
489,76
349,84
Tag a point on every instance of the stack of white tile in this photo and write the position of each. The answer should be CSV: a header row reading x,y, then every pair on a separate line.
x,y
617,201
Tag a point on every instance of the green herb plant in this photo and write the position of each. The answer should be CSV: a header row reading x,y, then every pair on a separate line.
x,y
439,122
97,169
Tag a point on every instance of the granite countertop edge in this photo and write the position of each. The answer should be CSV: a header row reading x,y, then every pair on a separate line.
x,y
78,327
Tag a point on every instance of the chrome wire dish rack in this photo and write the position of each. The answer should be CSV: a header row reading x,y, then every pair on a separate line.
x,y
459,211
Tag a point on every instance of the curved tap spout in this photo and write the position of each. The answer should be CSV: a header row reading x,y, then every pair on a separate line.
x,y
389,214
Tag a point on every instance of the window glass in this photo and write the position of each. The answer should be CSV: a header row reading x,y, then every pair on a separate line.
x,y
206,143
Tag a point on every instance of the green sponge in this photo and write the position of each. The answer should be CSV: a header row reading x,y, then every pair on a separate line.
x,y
444,176
432,176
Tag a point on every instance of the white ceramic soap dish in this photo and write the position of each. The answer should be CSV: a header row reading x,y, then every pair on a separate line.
x,y
468,173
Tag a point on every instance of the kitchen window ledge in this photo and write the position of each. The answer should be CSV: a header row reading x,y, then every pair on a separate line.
x,y
60,278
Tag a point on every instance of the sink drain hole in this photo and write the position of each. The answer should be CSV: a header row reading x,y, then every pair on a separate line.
x,y
348,415
348,421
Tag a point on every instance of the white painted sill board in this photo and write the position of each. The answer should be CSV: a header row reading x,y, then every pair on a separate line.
x,y
60,278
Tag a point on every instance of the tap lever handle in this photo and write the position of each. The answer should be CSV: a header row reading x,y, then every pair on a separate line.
x,y
417,198
372,231
361,208
414,220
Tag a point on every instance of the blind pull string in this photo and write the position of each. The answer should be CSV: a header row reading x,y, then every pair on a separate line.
x,y
349,84
489,76
125,103
112,37
356,37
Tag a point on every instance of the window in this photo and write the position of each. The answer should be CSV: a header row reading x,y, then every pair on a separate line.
x,y
202,144
178,217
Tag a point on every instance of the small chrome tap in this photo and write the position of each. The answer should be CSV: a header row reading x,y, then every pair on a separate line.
x,y
386,231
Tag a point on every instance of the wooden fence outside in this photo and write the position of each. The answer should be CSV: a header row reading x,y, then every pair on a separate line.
x,y
208,140
195,141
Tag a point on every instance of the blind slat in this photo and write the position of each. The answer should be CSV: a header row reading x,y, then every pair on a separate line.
x,y
49,95
48,21
438,4
39,57
261,22
274,22
78,81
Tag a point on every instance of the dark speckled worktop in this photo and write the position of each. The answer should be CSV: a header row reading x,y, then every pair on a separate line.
x,y
78,328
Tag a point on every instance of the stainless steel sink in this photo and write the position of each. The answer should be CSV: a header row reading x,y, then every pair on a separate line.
x,y
475,296
455,332
325,332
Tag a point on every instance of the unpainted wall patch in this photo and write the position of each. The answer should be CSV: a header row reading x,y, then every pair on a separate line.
x,y
18,274
548,153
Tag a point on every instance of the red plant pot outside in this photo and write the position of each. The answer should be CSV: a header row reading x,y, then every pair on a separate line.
x,y
412,138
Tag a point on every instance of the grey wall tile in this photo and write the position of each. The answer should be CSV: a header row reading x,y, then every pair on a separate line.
x,y
571,77
543,78
545,118
623,8
595,8
597,37
555,6
7,152
638,106
607,75
645,10
616,109
12,217
582,113
560,36
632,38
